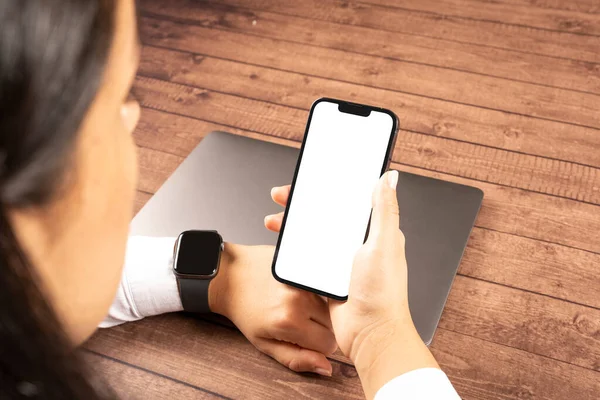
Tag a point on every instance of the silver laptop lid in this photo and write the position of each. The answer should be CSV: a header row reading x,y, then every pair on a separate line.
x,y
225,184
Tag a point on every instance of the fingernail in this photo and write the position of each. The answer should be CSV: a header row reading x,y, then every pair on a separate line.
x,y
322,371
392,178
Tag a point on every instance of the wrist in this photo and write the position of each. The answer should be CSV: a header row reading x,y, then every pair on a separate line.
x,y
219,288
375,338
389,349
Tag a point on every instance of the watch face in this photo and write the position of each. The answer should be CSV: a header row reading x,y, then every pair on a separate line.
x,y
198,253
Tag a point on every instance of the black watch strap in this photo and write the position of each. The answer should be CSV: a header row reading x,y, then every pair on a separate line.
x,y
194,295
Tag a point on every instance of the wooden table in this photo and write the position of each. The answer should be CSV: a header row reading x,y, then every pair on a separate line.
x,y
501,95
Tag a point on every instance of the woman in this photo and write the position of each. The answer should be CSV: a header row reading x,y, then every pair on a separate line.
x,y
67,181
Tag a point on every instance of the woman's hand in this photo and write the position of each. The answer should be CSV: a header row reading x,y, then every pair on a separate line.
x,y
288,324
374,327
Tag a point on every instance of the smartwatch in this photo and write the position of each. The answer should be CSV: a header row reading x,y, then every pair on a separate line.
x,y
196,259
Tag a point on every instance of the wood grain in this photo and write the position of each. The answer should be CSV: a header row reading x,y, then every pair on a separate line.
x,y
503,13
218,359
533,265
585,6
418,113
483,370
130,382
415,148
505,63
523,321
524,39
460,87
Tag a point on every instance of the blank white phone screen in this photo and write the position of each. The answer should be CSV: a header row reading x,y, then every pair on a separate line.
x,y
331,203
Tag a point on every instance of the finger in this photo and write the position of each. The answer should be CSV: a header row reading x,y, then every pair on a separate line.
x,y
385,219
296,358
273,222
280,194
307,334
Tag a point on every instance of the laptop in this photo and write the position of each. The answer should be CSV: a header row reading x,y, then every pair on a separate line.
x,y
225,185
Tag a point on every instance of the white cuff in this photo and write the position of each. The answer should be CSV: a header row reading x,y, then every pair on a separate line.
x,y
420,384
148,286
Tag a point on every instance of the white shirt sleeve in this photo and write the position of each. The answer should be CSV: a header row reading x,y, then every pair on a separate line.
x,y
148,286
420,384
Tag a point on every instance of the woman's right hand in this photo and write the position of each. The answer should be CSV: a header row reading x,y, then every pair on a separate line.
x,y
378,296
374,327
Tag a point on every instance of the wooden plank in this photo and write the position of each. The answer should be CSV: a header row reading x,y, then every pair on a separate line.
x,y
526,321
504,63
536,266
450,156
218,359
442,118
524,39
541,267
457,86
134,383
503,13
585,6
483,370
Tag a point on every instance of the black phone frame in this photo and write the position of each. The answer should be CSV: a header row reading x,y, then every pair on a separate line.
x,y
345,107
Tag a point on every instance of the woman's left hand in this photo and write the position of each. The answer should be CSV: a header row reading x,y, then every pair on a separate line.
x,y
288,324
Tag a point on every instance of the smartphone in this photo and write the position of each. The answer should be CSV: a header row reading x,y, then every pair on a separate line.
x,y
346,149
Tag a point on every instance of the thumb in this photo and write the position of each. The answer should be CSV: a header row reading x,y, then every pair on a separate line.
x,y
385,219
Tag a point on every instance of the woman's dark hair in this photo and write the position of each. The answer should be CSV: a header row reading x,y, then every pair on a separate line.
x,y
52,59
